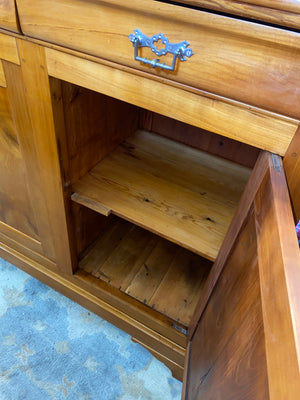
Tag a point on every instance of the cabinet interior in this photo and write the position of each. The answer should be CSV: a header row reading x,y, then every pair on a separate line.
x,y
150,198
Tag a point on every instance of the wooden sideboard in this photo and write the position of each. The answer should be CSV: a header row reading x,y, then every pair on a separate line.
x,y
158,199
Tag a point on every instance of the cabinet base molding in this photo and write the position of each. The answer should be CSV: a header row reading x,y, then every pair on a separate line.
x,y
172,354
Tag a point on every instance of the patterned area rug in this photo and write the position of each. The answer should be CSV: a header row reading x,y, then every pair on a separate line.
x,y
51,348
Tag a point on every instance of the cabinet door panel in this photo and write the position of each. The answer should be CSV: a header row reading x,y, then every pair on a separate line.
x,y
246,343
15,207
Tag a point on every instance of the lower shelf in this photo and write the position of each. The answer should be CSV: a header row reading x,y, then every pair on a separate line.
x,y
152,270
177,192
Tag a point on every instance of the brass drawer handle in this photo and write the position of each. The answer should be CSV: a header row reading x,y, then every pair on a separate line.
x,y
179,50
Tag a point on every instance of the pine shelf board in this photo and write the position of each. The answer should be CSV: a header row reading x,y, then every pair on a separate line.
x,y
180,193
148,268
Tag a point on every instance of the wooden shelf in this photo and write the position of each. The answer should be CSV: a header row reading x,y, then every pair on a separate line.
x,y
152,270
177,192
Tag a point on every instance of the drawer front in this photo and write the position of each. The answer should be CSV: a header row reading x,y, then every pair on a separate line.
x,y
8,15
248,62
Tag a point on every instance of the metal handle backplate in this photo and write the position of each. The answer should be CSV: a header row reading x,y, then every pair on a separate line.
x,y
179,50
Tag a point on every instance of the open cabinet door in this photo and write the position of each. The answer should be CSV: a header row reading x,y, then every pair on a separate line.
x,y
245,334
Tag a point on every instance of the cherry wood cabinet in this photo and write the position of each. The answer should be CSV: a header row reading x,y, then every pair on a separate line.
x,y
159,199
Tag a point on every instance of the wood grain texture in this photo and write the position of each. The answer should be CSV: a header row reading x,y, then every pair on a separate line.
x,y
264,130
178,292
234,229
144,285
279,269
38,100
278,12
2,76
8,49
218,145
255,52
95,124
291,163
180,193
30,167
16,208
8,15
25,245
150,269
21,238
227,358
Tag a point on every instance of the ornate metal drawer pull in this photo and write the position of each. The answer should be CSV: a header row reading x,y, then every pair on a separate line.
x,y
179,50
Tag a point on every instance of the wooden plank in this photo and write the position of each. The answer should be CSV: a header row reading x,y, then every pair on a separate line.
x,y
8,49
221,45
92,204
178,293
95,124
2,76
200,139
264,130
291,163
95,255
131,252
279,270
246,201
8,15
279,12
152,271
142,179
43,138
227,358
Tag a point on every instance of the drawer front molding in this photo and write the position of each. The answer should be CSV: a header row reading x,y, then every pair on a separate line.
x,y
244,61
252,126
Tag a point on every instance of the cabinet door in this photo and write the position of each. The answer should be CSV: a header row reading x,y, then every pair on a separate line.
x,y
32,213
245,336
19,227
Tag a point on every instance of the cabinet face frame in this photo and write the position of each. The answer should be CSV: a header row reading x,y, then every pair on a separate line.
x,y
231,56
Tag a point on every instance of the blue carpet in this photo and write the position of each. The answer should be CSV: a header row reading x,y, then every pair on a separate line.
x,y
52,348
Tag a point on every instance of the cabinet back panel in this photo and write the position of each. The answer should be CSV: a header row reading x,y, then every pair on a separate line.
x,y
201,139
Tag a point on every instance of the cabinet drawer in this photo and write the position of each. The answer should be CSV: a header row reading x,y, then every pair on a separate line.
x,y
248,62
8,15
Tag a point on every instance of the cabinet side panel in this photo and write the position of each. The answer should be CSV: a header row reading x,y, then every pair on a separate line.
x,y
227,359
95,125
